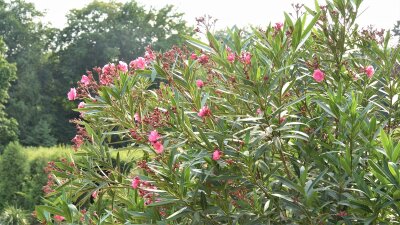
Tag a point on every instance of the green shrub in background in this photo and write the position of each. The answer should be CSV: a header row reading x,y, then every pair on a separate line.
x,y
13,169
292,124
13,216
22,177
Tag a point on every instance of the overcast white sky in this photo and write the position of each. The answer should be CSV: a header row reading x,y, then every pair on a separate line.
x,y
380,13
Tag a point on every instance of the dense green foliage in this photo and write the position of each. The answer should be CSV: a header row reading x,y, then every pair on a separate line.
x,y
27,42
47,58
294,124
13,216
8,126
22,178
13,168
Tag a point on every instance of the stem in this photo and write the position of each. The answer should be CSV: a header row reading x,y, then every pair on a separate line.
x,y
282,156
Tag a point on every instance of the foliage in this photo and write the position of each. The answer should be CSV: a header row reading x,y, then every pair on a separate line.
x,y
103,32
24,190
294,124
47,58
8,126
27,41
13,168
13,216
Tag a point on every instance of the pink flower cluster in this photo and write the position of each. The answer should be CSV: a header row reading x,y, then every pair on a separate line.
x,y
59,218
122,66
193,56
203,59
85,80
139,63
369,70
318,75
199,83
204,112
78,140
72,94
245,58
108,73
217,154
231,55
278,26
154,141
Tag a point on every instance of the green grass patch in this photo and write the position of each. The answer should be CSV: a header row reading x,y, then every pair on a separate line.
x,y
52,153
57,152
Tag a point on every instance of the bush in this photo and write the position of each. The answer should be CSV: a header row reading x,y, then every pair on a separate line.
x,y
289,125
13,216
13,168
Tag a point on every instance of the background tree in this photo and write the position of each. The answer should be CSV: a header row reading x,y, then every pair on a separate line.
x,y
27,41
8,126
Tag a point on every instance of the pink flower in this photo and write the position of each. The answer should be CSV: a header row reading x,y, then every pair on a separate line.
x,y
139,63
135,182
72,94
205,111
154,136
193,56
199,83
246,58
369,70
94,194
59,218
136,117
216,154
122,66
81,105
259,112
85,80
231,57
108,68
318,75
278,26
158,147
203,59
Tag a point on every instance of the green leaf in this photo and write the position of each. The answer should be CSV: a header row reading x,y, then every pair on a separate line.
x,y
181,212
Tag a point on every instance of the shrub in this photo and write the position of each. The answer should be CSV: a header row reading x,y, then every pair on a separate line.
x,y
13,216
13,166
288,125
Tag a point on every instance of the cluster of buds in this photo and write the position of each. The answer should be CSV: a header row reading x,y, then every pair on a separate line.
x,y
245,58
51,166
156,119
81,135
170,57
143,188
204,23
372,34
143,165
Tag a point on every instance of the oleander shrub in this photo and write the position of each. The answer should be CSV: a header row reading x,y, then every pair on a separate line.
x,y
293,124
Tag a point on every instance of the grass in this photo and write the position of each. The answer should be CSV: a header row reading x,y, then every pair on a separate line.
x,y
60,151
54,152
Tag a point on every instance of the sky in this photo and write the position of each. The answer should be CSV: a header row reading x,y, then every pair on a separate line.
x,y
380,13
